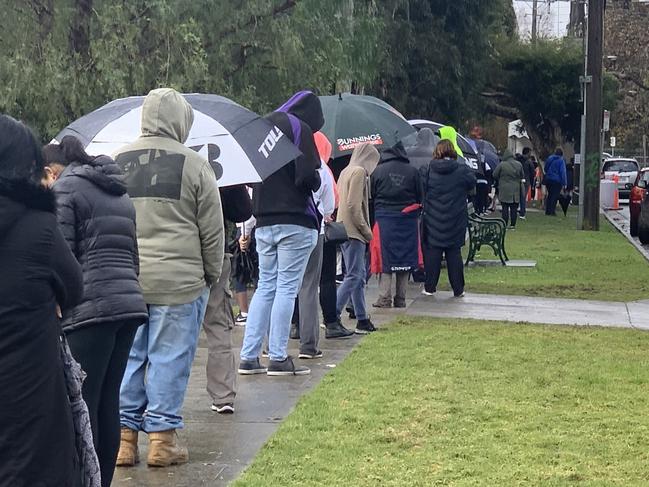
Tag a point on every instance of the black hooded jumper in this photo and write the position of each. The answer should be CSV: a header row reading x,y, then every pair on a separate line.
x,y
285,197
37,271
97,219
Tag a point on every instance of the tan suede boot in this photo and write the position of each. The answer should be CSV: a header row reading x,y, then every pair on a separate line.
x,y
164,449
128,454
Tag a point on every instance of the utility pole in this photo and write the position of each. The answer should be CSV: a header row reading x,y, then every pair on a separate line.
x,y
535,15
592,158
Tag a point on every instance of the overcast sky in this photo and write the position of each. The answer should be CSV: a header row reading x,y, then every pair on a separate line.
x,y
553,17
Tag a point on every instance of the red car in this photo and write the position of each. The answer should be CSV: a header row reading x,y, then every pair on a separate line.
x,y
638,192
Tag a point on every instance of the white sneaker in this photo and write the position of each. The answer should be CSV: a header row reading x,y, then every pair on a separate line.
x,y
426,293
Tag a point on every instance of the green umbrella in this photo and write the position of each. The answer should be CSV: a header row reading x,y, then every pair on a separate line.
x,y
353,120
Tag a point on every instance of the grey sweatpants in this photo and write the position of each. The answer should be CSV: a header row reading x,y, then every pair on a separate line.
x,y
218,324
309,304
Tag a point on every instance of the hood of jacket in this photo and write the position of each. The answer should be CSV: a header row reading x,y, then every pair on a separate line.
x,y
165,113
449,133
305,106
324,146
365,156
445,166
395,153
426,139
508,154
22,194
103,173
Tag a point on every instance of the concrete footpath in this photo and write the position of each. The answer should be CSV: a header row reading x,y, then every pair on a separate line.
x,y
222,446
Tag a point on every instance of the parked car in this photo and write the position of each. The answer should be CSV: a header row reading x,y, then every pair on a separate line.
x,y
626,170
638,192
470,154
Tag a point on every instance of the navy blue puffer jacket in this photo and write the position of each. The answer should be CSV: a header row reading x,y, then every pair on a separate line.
x,y
446,185
97,219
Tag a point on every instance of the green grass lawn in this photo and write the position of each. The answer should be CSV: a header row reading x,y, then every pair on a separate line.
x,y
573,264
441,402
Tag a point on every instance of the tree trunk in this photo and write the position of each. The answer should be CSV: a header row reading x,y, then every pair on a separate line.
x,y
80,29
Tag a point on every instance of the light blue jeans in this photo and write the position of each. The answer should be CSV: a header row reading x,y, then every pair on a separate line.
x,y
157,373
284,251
353,286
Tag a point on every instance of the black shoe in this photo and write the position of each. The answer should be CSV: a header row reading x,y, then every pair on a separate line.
x,y
364,327
399,303
310,356
286,367
337,330
295,332
251,367
227,408
382,304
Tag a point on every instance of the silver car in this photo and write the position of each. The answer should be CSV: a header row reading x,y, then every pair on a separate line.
x,y
627,172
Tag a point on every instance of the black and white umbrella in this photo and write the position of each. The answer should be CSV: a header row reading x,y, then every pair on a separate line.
x,y
241,146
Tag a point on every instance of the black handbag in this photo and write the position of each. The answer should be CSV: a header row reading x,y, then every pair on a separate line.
x,y
335,233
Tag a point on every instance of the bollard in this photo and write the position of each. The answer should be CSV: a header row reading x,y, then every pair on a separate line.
x,y
616,194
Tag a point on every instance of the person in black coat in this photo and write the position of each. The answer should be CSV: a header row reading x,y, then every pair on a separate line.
x,y
446,186
37,439
97,219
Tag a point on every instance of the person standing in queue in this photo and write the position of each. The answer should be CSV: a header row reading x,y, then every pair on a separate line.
x,y
447,183
97,219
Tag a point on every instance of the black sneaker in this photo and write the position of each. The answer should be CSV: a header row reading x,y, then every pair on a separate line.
x,y
399,304
227,408
251,367
295,332
286,367
310,356
241,319
364,327
382,304
337,330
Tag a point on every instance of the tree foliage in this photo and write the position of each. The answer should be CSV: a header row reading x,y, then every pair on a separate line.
x,y
60,59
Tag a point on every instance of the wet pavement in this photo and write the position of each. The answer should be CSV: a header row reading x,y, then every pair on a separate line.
x,y
222,446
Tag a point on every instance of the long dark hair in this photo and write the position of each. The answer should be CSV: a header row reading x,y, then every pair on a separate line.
x,y
68,151
20,154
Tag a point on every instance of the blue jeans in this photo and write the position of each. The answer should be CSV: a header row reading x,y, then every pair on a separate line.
x,y
162,352
353,286
284,251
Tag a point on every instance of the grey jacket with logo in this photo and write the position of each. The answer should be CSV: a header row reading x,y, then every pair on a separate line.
x,y
178,207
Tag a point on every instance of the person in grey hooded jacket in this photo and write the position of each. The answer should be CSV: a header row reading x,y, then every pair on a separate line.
x,y
181,240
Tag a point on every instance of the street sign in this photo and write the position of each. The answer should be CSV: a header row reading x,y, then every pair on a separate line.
x,y
607,121
612,141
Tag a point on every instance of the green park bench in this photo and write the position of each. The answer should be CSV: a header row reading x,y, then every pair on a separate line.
x,y
486,231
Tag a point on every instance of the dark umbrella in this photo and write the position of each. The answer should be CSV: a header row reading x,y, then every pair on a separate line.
x,y
241,146
353,120
487,150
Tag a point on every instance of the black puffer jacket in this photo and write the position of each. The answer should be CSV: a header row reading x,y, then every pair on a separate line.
x,y
446,185
97,219
395,183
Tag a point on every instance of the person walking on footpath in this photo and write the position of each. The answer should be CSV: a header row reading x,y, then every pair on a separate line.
x,y
510,177
555,180
397,193
97,219
39,272
307,302
219,316
181,240
529,171
447,184
354,213
286,233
